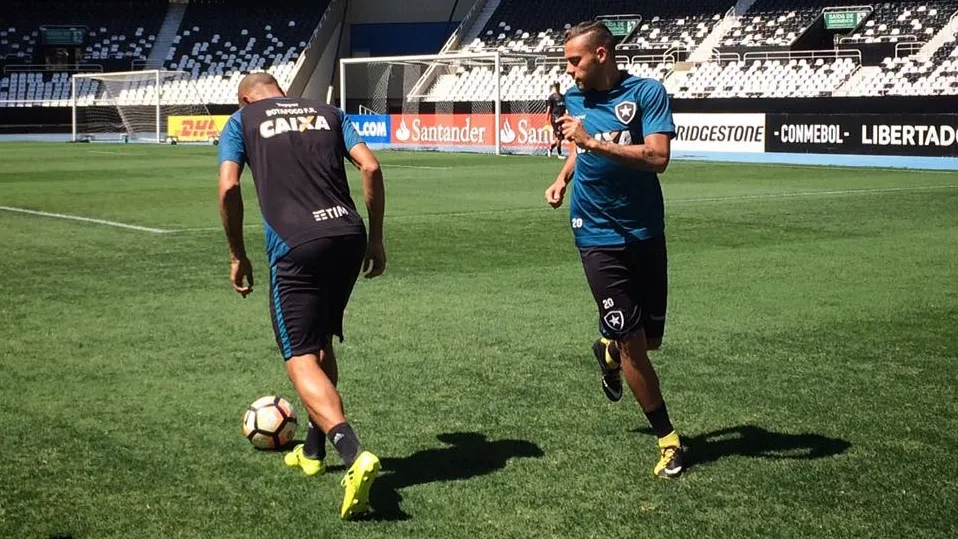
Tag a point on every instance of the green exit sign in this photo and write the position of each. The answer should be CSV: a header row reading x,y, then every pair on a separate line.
x,y
620,27
843,20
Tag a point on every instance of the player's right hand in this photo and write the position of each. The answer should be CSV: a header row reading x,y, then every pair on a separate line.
x,y
374,263
555,193
241,269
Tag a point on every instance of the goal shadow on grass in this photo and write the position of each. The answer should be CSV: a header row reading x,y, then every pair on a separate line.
x,y
757,442
464,456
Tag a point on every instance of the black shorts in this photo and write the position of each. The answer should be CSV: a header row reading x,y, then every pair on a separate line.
x,y
309,289
630,286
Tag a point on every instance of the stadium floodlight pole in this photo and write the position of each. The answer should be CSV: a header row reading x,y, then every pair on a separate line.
x,y
498,104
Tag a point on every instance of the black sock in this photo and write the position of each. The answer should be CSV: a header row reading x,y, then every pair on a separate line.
x,y
315,447
659,419
345,442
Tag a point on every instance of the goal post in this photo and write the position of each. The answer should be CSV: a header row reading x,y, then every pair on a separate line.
x,y
486,102
133,106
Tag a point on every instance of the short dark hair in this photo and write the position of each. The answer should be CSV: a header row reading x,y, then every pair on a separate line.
x,y
598,32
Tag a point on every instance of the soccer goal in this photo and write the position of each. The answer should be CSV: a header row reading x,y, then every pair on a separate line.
x,y
134,106
489,102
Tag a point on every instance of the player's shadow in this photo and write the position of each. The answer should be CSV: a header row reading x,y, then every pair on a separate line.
x,y
466,455
757,442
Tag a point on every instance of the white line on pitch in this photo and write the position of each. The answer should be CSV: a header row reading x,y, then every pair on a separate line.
x,y
668,201
86,220
212,228
107,152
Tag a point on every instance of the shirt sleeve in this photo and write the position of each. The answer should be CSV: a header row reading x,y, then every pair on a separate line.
x,y
350,136
232,147
653,101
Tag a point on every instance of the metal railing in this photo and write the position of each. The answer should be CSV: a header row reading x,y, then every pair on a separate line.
x,y
878,39
807,55
908,49
52,68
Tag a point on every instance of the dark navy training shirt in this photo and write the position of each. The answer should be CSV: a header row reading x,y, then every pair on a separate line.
x,y
295,149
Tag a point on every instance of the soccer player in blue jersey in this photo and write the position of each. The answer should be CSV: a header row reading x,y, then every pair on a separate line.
x,y
317,246
622,128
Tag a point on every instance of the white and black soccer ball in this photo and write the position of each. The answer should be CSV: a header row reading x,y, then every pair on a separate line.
x,y
270,422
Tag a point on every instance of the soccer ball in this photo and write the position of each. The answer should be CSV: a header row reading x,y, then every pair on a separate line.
x,y
269,423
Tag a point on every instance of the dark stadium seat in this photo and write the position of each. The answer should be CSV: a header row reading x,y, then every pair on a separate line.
x,y
217,44
904,21
116,30
536,25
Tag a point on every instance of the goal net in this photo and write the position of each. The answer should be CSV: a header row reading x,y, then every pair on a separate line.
x,y
138,106
469,102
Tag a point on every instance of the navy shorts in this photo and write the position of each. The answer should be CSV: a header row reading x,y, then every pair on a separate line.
x,y
309,289
630,287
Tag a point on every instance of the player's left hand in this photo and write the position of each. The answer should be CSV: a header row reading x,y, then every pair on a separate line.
x,y
374,263
574,131
241,269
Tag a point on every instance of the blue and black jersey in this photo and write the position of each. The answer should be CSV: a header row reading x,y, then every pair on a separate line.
x,y
612,203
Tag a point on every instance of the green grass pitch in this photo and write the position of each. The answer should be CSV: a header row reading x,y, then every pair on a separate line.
x,y
810,358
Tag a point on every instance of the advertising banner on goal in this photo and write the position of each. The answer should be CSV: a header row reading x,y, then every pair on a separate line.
x,y
517,131
374,129
446,130
195,128
530,132
934,135
719,132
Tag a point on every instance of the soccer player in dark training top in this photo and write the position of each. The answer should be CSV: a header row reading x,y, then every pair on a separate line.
x,y
317,246
622,128
555,109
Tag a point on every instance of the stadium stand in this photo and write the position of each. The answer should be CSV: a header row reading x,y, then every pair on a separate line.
x,y
768,24
118,32
219,45
520,83
904,21
796,77
538,25
216,44
112,32
912,76
777,23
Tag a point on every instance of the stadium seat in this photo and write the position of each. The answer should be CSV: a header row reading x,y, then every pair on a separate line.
x,y
215,42
539,25
116,30
904,21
